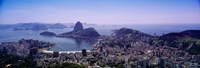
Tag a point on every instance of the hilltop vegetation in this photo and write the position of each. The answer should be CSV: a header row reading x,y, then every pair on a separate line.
x,y
13,61
188,40
67,65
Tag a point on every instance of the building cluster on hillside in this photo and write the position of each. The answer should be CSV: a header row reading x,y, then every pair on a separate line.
x,y
23,47
138,54
122,52
144,55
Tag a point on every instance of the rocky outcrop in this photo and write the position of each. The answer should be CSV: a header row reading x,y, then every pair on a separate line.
x,y
79,32
47,33
78,26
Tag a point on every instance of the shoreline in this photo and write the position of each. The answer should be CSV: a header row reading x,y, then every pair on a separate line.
x,y
45,50
48,51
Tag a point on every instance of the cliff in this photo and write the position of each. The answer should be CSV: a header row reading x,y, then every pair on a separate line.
x,y
78,26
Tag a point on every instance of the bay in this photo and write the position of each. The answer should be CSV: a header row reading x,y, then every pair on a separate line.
x,y
68,44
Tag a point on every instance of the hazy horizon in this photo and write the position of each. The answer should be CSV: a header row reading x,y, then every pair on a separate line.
x,y
101,12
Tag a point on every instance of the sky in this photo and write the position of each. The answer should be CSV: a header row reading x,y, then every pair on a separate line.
x,y
101,11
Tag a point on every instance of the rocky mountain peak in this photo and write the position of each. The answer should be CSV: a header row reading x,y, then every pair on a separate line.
x,y
78,26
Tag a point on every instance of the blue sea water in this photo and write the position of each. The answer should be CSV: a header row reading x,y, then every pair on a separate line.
x,y
63,44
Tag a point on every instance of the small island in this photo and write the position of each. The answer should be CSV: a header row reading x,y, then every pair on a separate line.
x,y
47,33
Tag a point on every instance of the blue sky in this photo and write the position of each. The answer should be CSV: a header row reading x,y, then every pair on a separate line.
x,y
101,11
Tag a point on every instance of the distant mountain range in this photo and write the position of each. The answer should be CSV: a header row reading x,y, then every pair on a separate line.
x,y
32,26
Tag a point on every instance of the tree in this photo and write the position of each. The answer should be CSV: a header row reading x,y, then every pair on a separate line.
x,y
66,65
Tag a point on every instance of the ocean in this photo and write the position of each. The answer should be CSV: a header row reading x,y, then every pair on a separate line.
x,y
68,44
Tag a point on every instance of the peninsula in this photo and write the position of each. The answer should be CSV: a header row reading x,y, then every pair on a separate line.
x,y
80,32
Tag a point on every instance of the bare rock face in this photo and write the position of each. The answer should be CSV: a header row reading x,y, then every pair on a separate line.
x,y
78,26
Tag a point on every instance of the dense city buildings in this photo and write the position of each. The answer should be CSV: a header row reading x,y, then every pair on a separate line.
x,y
125,48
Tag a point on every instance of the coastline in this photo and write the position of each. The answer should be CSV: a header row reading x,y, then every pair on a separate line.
x,y
60,52
48,51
